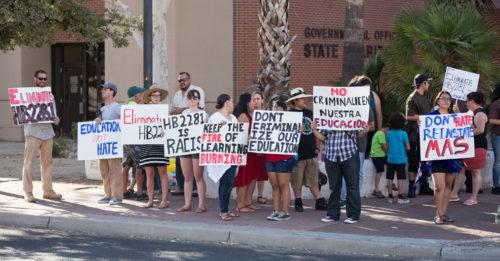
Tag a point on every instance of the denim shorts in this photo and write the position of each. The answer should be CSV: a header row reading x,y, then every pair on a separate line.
x,y
282,166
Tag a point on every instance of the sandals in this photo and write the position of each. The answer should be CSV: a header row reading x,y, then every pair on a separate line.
x,y
184,209
225,216
200,210
251,206
232,214
454,199
245,210
262,200
470,202
163,205
149,205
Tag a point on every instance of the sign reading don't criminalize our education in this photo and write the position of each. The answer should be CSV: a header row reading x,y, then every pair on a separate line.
x,y
32,105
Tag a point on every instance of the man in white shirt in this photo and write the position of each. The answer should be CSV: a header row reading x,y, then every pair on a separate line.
x,y
179,101
177,106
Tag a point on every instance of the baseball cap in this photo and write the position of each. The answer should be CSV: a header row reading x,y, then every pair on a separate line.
x,y
132,91
109,85
420,78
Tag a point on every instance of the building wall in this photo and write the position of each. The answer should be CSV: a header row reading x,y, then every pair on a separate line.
x,y
310,68
10,76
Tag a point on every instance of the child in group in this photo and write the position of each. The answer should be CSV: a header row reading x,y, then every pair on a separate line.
x,y
397,144
378,154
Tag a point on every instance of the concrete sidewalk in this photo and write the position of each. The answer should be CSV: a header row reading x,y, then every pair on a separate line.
x,y
384,230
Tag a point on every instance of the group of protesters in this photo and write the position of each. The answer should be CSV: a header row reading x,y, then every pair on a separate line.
x,y
393,146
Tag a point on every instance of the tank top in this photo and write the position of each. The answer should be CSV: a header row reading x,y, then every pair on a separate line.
x,y
480,140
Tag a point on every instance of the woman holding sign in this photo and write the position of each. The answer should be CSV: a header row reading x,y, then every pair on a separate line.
x,y
152,156
223,114
443,170
190,163
247,175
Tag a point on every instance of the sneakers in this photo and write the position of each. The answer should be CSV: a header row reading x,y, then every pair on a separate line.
x,y
273,216
411,192
29,198
52,195
438,220
115,201
143,197
128,194
447,219
403,200
350,221
495,190
298,205
342,203
320,204
104,200
328,219
391,199
283,216
378,194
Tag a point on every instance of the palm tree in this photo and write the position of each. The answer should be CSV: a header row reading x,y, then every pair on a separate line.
x,y
434,37
353,60
275,48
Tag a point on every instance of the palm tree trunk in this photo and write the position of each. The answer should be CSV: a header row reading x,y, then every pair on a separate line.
x,y
353,61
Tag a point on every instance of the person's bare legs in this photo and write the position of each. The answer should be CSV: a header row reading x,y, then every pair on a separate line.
x,y
187,170
400,186
260,190
139,177
273,179
150,185
249,195
389,188
439,185
448,183
459,182
284,188
162,171
125,171
476,183
200,183
378,176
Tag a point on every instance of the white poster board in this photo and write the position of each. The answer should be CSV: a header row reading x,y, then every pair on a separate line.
x,y
143,124
183,133
448,136
341,108
459,83
99,140
275,132
32,105
224,144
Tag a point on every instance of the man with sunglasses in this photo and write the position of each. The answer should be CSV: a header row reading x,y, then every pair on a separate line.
x,y
177,106
39,139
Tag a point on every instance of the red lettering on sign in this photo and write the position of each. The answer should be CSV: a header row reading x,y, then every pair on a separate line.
x,y
338,91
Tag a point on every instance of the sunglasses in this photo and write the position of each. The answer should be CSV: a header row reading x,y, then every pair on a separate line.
x,y
193,97
41,79
183,80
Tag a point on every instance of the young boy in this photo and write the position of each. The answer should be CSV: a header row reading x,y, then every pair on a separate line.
x,y
378,154
398,144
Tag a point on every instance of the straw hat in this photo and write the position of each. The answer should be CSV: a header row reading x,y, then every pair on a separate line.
x,y
147,94
297,93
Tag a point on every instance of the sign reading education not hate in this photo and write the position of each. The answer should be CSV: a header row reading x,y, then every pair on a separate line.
x,y
32,105
341,108
275,132
143,124
99,140
224,144
459,83
183,133
448,136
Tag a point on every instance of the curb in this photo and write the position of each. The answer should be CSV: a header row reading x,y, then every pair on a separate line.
x,y
334,243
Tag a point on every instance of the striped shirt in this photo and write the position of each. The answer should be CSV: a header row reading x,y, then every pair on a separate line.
x,y
340,145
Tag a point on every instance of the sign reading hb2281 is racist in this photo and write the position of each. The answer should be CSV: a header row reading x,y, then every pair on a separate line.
x,y
32,105
448,136
459,83
275,132
183,133
99,140
143,124
224,144
341,108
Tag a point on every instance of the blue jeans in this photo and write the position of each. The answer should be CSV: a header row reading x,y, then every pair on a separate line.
x,y
348,170
495,141
225,188
343,191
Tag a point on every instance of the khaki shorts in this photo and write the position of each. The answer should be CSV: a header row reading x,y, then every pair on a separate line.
x,y
305,173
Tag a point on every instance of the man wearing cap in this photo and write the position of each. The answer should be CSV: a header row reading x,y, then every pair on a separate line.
x,y
110,168
416,104
307,171
131,155
39,138
177,106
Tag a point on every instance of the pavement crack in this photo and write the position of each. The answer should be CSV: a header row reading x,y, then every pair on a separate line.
x,y
48,223
228,237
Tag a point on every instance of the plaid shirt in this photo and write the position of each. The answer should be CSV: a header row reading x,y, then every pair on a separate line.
x,y
340,145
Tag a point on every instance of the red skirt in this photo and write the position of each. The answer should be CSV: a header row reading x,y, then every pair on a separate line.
x,y
254,170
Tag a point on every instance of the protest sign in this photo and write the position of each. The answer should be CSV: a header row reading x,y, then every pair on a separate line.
x,y
459,83
99,140
224,144
32,105
183,133
448,136
143,124
275,132
341,108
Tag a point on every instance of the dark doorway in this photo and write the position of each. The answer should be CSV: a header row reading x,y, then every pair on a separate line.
x,y
77,76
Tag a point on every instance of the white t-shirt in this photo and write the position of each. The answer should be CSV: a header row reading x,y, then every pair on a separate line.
x,y
180,100
215,172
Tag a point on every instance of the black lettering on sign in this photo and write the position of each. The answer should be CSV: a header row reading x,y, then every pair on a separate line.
x,y
33,113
